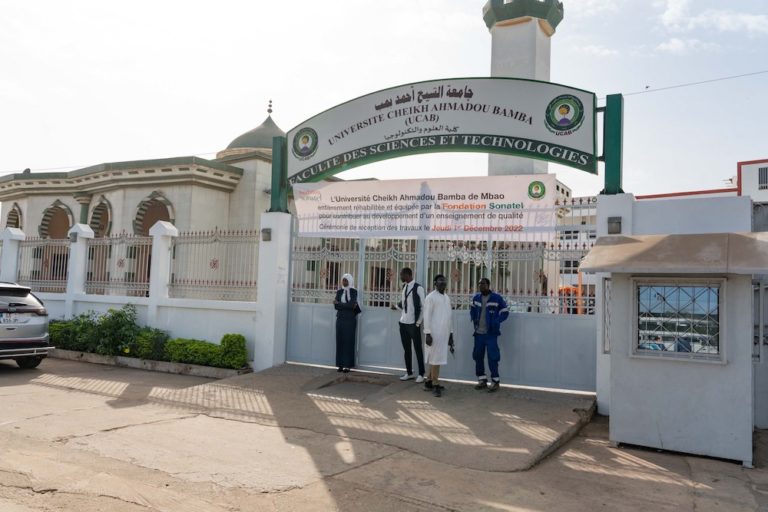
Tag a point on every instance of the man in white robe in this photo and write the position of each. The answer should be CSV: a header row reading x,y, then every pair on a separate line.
x,y
438,327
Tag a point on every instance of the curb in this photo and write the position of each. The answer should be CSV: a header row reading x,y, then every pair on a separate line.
x,y
194,370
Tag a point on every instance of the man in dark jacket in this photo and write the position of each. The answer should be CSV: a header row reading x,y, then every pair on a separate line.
x,y
488,310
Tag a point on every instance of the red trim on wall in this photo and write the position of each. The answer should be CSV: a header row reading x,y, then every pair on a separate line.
x,y
691,193
738,170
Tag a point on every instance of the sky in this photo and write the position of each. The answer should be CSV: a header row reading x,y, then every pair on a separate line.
x,y
87,82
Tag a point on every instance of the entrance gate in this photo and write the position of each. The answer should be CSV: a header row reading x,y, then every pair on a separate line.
x,y
549,340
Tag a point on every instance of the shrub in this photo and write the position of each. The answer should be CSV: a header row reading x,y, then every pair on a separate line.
x,y
150,344
62,333
233,351
116,331
183,350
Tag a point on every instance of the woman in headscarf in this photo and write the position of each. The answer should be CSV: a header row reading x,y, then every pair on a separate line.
x,y
346,323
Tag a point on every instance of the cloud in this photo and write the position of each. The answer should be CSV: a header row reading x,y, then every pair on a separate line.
x,y
675,12
677,17
588,8
677,46
729,21
595,50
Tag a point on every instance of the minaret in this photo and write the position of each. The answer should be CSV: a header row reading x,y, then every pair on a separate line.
x,y
520,48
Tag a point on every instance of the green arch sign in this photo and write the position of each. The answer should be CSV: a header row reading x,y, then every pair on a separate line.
x,y
492,115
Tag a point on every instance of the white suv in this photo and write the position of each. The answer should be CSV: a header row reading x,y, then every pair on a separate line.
x,y
23,326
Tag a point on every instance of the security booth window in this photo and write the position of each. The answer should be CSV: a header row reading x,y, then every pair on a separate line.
x,y
680,319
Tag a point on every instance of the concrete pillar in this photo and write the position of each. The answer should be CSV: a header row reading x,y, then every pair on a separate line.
x,y
274,290
77,265
9,263
162,234
85,202
619,206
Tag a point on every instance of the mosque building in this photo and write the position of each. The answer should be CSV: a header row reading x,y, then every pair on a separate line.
x,y
130,197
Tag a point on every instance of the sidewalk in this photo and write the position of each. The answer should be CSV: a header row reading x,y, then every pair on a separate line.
x,y
77,436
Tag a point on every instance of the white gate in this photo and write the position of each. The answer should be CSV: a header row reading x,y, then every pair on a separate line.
x,y
549,340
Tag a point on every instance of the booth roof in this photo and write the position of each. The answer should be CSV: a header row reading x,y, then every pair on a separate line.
x,y
716,253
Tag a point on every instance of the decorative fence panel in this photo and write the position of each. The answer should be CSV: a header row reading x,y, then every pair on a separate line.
x,y
319,264
43,264
119,265
535,277
216,265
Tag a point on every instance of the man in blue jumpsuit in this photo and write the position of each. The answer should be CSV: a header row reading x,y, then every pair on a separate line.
x,y
488,310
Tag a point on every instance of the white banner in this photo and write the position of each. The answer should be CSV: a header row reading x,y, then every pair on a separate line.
x,y
520,208
494,115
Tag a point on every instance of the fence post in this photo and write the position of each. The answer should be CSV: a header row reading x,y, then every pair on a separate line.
x,y
162,234
77,265
9,265
273,290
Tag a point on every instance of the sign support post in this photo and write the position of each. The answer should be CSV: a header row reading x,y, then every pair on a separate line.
x,y
613,136
279,192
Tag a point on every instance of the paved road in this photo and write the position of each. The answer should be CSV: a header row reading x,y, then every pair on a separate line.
x,y
82,437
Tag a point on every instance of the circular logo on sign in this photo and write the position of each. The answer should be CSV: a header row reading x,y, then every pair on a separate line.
x,y
304,143
564,114
536,190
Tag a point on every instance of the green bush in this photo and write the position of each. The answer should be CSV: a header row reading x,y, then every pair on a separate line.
x,y
116,332
183,350
79,333
61,333
150,344
233,351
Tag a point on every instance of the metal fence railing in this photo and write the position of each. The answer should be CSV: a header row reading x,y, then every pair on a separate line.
x,y
119,265
536,276
216,265
43,264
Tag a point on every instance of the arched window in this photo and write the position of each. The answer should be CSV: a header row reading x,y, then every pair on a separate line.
x,y
14,217
57,220
101,218
154,208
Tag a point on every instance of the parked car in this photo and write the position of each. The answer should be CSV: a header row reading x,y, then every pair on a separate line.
x,y
23,326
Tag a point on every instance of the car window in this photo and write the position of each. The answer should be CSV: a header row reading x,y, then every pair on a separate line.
x,y
18,297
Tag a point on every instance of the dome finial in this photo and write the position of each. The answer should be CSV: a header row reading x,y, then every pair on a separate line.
x,y
269,109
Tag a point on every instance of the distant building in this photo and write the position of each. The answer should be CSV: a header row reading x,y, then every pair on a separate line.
x,y
228,192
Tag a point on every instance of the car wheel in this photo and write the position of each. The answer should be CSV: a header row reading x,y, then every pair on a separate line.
x,y
29,362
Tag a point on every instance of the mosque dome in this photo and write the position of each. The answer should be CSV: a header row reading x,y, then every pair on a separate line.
x,y
258,138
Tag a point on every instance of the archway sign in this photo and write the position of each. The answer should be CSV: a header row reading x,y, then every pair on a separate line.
x,y
525,118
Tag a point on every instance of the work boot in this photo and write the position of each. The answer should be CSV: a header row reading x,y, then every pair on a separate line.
x,y
494,386
427,385
437,391
481,384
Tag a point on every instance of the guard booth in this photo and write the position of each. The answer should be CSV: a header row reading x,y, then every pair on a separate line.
x,y
372,230
681,366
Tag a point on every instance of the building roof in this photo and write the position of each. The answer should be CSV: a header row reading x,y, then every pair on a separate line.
x,y
258,138
717,253
106,176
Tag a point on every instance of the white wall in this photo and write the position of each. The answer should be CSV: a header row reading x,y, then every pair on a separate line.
x,y
692,216
750,182
249,200
205,320
694,407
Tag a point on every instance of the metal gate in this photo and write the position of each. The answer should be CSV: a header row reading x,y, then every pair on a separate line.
x,y
549,340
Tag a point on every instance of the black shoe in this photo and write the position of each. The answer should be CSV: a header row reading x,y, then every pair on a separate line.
x,y
437,391
339,369
428,385
494,386
346,370
481,385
